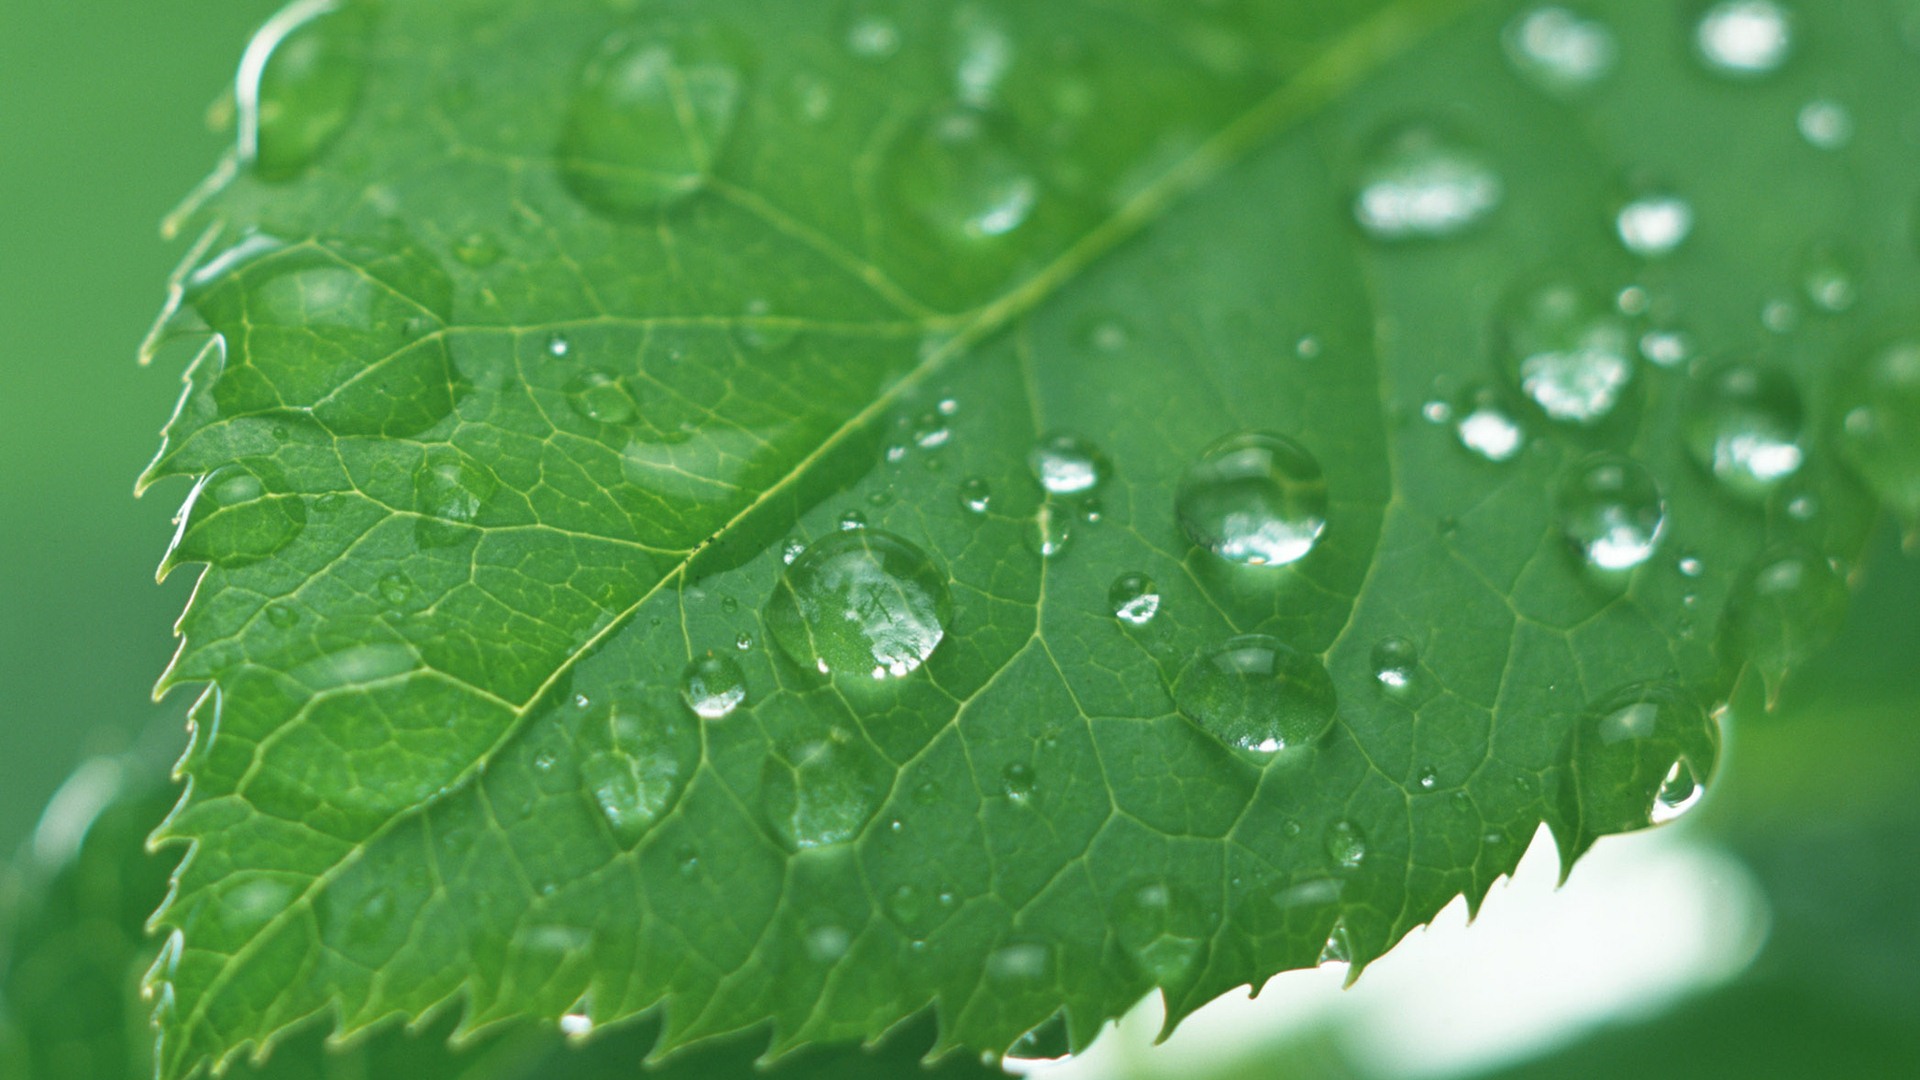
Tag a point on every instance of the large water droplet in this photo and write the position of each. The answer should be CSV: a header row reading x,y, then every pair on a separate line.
x,y
1744,426
1068,465
1652,226
1254,499
1147,923
601,398
1879,406
861,602
1419,183
1570,352
960,175
1558,49
1611,508
300,82
230,520
1256,694
449,490
637,761
1134,599
1346,845
647,122
1744,37
713,685
1786,607
1486,428
1637,758
825,790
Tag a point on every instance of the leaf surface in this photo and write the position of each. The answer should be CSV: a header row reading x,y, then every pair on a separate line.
x,y
543,334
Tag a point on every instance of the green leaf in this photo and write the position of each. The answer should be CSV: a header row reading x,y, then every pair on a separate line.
x,y
71,952
555,330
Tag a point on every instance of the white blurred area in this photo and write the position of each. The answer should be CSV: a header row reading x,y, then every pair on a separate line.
x,y
1643,920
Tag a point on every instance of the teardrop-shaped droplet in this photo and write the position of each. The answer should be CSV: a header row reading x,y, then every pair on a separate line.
x,y
1346,845
449,491
1560,50
1134,599
637,760
1419,183
1050,531
648,120
1569,351
1744,425
1256,694
713,685
1068,465
1744,38
962,179
1636,758
1611,509
300,84
1827,278
1879,432
861,602
1254,499
1652,226
230,519
825,789
1788,605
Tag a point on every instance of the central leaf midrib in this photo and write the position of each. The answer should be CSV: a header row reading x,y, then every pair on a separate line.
x,y
1340,67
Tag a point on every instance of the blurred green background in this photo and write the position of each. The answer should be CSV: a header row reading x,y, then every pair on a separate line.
x,y
103,110
103,106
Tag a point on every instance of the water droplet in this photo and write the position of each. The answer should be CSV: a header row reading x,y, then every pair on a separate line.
x,y
478,250
1436,412
282,615
1879,405
1571,354
1786,607
1021,964
1559,50
1147,923
1066,465
1744,37
576,1025
1254,499
1666,348
743,642
1429,779
1396,663
1050,531
1017,782
1418,183
1134,599
647,122
930,431
1692,567
1744,427
864,602
1486,428
713,686
873,38
601,398
1780,316
543,762
1828,281
1652,226
231,520
1346,845
1637,758
396,588
449,489
558,345
1307,348
790,551
1257,694
826,944
1825,124
1611,508
961,177
851,520
1339,946
299,85
825,790
984,55
975,496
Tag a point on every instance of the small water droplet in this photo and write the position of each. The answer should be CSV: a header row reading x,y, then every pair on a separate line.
x,y
1611,508
1017,782
851,520
1828,281
299,85
975,496
1346,845
478,250
1744,37
647,121
1254,499
864,602
1486,428
1429,779
1637,758
1021,964
1307,348
1571,354
1825,124
1258,695
1067,465
1419,183
1692,567
713,686
1436,412
790,551
558,345
826,944
743,642
1396,663
1666,348
1559,50
396,588
1744,427
1652,226
1134,599
1879,432
1339,946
